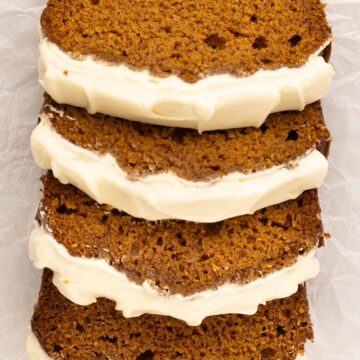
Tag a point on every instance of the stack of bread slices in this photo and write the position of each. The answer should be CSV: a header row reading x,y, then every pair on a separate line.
x,y
183,143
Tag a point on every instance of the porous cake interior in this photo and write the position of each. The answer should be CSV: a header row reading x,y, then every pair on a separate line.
x,y
68,331
142,149
180,257
189,38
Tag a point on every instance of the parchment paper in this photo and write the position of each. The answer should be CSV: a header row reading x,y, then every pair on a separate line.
x,y
334,295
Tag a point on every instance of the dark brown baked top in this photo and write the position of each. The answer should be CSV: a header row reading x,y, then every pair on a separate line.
x,y
179,257
142,149
189,38
68,331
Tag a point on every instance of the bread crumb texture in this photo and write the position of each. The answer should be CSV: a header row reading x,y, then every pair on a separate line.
x,y
142,149
189,38
179,257
279,330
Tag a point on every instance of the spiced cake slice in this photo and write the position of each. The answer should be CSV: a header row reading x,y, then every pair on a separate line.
x,y
185,270
201,64
157,173
63,330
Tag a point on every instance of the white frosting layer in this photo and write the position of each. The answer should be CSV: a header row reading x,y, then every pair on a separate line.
x,y
215,102
34,349
167,196
83,280
36,352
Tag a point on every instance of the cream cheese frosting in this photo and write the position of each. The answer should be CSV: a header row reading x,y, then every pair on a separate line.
x,y
36,352
34,349
214,102
82,280
165,195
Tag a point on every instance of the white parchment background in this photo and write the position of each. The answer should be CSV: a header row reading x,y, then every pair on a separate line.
x,y
334,295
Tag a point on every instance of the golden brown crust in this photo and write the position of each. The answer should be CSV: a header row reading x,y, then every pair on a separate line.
x,y
68,331
181,257
189,38
142,149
